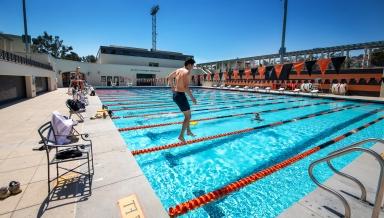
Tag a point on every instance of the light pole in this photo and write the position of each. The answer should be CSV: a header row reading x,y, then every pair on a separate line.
x,y
282,48
154,11
25,37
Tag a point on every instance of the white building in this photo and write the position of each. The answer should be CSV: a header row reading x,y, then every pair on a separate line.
x,y
120,66
24,75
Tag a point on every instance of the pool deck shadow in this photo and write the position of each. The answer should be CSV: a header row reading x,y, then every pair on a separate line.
x,y
117,175
69,191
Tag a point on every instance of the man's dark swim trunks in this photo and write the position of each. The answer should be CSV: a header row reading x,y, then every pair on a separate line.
x,y
181,100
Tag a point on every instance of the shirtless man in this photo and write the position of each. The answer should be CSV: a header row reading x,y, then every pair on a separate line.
x,y
179,82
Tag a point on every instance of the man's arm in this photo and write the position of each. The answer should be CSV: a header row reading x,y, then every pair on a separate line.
x,y
187,90
170,78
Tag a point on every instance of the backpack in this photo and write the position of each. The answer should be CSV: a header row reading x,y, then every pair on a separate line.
x,y
73,105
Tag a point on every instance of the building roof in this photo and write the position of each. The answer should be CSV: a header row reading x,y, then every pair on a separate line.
x,y
141,52
9,36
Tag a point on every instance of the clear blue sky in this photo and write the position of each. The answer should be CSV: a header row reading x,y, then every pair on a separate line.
x,y
208,29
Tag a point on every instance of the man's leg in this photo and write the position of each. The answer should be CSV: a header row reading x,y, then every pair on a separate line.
x,y
187,118
189,132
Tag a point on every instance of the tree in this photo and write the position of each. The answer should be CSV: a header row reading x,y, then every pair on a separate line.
x,y
72,56
49,44
378,57
89,59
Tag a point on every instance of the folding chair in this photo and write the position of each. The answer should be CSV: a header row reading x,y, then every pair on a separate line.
x,y
77,112
83,98
81,152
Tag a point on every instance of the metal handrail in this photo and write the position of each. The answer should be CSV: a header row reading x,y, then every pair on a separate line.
x,y
362,188
352,148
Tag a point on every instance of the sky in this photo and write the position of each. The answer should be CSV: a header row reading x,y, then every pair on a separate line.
x,y
210,30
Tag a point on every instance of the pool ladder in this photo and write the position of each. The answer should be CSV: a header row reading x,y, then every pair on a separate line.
x,y
346,150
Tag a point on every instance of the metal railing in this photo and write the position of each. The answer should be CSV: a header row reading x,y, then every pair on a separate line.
x,y
7,56
341,152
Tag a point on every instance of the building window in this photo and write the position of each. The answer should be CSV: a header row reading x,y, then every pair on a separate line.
x,y
151,64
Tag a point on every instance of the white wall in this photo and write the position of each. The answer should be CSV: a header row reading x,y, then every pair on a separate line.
x,y
141,61
13,69
93,71
14,45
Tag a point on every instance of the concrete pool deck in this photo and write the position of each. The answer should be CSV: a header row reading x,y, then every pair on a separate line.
x,y
110,182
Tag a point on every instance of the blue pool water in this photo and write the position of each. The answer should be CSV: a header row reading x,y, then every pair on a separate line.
x,y
183,173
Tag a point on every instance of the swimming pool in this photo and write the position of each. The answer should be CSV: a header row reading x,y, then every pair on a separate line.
x,y
230,145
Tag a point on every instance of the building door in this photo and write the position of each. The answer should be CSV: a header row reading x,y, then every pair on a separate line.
x,y
12,88
41,85
116,80
109,80
66,78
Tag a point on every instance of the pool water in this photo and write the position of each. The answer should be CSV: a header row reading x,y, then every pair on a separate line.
x,y
186,172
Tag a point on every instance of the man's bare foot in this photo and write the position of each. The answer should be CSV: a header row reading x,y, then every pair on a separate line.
x,y
190,134
181,138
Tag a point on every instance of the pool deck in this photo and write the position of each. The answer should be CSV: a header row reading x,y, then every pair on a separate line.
x,y
110,182
321,203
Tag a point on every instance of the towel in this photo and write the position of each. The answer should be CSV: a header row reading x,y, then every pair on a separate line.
x,y
62,126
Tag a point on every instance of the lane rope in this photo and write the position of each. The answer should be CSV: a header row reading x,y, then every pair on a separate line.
x,y
242,131
174,106
213,109
204,199
218,117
